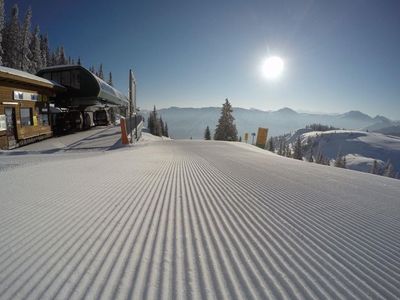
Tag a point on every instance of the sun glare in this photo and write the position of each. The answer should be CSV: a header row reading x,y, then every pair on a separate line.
x,y
272,67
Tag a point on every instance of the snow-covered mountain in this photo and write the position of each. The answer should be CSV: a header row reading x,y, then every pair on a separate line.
x,y
191,122
359,147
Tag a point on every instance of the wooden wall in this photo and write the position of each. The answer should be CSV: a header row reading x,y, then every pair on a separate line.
x,y
23,132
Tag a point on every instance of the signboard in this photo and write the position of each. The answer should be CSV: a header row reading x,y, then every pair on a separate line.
x,y
3,123
25,96
246,137
262,137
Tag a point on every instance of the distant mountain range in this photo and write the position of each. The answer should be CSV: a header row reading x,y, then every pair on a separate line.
x,y
184,123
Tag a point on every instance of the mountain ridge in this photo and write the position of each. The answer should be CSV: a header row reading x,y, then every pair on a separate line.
x,y
190,122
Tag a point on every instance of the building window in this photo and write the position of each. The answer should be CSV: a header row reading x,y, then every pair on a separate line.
x,y
26,117
75,79
66,78
56,76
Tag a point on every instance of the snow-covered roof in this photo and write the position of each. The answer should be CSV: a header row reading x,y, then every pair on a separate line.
x,y
26,75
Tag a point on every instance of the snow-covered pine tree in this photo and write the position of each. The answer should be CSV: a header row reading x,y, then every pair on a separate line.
x,y
340,161
101,73
45,51
288,153
1,30
53,58
26,54
62,57
226,128
79,61
388,171
12,40
110,80
297,150
207,134
37,57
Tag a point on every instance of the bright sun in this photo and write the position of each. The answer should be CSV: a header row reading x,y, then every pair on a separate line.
x,y
272,67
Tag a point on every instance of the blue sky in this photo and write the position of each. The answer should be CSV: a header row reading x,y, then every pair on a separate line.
x,y
339,55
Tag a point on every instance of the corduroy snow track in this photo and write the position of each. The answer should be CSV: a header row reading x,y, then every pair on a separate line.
x,y
196,220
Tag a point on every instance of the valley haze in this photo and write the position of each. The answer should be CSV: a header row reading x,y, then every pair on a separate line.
x,y
190,122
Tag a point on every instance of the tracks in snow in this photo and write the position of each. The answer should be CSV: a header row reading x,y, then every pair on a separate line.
x,y
197,220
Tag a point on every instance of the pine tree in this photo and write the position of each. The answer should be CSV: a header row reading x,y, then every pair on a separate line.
x,y
62,57
320,158
166,130
340,161
110,80
311,159
154,123
37,57
270,145
207,134
53,58
388,171
375,168
281,148
26,54
298,152
56,57
1,30
288,153
101,73
79,61
45,51
12,40
226,129
150,123
161,133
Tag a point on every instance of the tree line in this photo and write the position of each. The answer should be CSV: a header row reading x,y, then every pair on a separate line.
x,y
29,50
156,125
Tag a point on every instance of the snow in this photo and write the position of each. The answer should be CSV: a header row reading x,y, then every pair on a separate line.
x,y
23,74
196,219
360,148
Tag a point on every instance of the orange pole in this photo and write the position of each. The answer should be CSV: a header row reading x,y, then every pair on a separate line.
x,y
124,135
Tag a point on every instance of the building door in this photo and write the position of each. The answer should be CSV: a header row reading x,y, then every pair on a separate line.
x,y
11,126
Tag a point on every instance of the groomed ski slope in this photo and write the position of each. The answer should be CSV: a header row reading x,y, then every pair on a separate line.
x,y
196,219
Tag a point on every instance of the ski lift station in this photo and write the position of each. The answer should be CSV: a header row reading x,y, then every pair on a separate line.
x,y
58,100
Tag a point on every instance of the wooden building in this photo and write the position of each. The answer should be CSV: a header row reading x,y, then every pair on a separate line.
x,y
24,107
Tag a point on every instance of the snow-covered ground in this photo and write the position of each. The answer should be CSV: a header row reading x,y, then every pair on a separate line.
x,y
360,148
196,219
